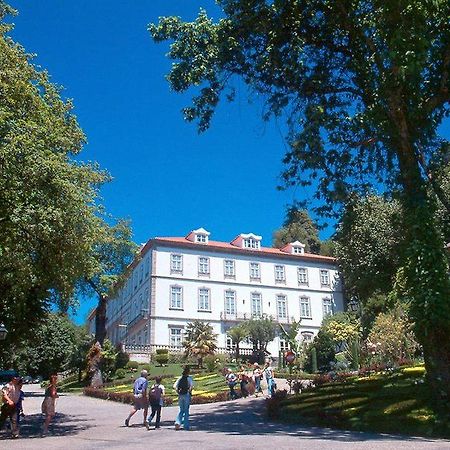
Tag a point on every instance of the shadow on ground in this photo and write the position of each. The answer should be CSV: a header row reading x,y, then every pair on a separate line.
x,y
235,418
62,425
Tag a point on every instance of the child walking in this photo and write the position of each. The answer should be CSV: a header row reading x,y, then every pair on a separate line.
x,y
156,400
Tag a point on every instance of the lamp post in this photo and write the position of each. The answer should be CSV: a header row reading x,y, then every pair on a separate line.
x,y
3,332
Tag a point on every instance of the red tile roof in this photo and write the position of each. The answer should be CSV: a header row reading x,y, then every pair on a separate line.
x,y
225,246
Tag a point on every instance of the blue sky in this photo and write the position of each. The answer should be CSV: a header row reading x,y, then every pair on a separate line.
x,y
167,178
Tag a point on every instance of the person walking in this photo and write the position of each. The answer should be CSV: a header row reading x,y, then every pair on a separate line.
x,y
231,380
156,400
19,404
183,386
10,398
257,377
268,372
243,379
49,403
140,398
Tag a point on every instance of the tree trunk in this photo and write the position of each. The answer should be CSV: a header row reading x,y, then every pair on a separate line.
x,y
237,351
427,282
100,320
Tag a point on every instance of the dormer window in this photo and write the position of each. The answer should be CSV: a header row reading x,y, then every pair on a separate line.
x,y
294,248
250,241
199,236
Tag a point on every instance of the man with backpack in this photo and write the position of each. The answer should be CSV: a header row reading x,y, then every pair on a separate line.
x,y
156,400
140,398
183,386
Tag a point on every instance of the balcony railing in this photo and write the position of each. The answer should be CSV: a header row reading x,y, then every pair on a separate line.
x,y
143,314
238,316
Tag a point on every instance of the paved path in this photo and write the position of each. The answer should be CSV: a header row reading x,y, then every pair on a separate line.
x,y
87,423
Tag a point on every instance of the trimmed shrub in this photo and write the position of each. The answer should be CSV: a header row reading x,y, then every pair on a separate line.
x,y
162,356
121,373
132,366
122,358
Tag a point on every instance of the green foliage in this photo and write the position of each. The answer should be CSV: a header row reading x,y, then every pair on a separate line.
x,y
298,226
49,203
290,334
391,338
122,358
50,350
368,245
200,340
261,332
133,365
237,334
162,356
313,360
121,373
108,360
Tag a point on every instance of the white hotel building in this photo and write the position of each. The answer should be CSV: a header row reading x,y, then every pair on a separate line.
x,y
178,279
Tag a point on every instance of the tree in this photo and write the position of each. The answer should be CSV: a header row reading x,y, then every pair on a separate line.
x,y
200,340
237,334
368,245
298,226
49,203
325,348
261,332
290,334
392,337
365,87
113,251
51,349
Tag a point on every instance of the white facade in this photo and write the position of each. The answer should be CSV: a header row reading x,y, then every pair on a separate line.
x,y
177,280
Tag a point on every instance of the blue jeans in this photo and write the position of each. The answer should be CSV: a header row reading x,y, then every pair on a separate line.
x,y
257,384
270,383
184,402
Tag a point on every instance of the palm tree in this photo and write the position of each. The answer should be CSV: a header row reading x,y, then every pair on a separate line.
x,y
200,340
237,334
290,335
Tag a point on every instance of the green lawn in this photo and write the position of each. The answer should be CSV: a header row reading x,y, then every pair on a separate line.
x,y
397,403
205,383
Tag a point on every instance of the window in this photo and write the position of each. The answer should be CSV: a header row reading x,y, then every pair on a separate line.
x,y
203,265
229,268
307,336
230,303
281,307
256,304
297,250
229,344
324,277
147,267
302,275
251,243
283,345
203,300
176,263
305,308
176,337
135,278
141,274
255,273
327,305
280,274
176,297
201,238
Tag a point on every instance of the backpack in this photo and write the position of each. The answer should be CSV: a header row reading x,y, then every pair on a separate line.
x,y
155,394
183,386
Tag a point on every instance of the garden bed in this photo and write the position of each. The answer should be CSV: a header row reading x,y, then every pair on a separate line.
x,y
390,403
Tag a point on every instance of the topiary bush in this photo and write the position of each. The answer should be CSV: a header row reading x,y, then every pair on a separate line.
x,y
132,366
162,356
121,373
